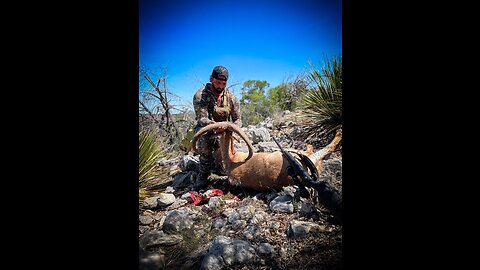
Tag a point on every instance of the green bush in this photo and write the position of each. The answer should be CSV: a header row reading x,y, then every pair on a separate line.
x,y
149,151
321,106
186,142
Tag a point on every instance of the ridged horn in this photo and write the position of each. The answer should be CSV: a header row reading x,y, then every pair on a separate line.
x,y
239,131
230,126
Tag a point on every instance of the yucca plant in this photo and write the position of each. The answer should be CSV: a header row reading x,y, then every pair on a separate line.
x,y
149,151
321,105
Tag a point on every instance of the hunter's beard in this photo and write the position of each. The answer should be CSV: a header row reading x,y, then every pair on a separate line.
x,y
218,90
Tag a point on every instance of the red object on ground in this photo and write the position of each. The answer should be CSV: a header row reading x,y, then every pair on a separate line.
x,y
196,198
213,192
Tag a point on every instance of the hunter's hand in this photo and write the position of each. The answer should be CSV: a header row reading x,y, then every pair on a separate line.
x,y
219,129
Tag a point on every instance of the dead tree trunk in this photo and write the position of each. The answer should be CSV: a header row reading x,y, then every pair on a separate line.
x,y
160,94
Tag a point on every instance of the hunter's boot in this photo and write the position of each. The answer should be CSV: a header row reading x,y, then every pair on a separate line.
x,y
203,173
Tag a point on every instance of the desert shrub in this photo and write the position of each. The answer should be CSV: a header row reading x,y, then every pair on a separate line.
x,y
320,107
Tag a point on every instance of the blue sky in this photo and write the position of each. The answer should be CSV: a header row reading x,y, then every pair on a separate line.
x,y
255,40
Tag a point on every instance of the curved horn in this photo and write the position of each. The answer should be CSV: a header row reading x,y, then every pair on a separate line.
x,y
229,126
202,131
239,131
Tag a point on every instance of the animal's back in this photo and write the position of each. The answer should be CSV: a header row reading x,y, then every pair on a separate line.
x,y
263,171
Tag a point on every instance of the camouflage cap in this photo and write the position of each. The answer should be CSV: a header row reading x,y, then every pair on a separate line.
x,y
220,71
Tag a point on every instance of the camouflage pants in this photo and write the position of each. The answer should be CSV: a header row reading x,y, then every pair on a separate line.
x,y
206,145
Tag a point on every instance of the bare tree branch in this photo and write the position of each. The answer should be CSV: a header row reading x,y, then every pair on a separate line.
x,y
149,112
163,107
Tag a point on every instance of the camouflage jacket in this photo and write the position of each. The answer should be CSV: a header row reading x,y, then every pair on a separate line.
x,y
205,103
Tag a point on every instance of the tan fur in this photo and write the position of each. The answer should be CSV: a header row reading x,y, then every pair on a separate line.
x,y
317,158
258,171
309,150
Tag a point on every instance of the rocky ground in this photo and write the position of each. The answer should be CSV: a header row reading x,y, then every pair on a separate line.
x,y
228,227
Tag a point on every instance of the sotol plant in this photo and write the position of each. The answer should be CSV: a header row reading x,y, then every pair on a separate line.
x,y
321,106
150,149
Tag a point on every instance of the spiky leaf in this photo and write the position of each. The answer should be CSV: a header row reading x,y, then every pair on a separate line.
x,y
321,106
149,151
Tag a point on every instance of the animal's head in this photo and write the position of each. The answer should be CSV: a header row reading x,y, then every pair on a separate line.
x,y
227,128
